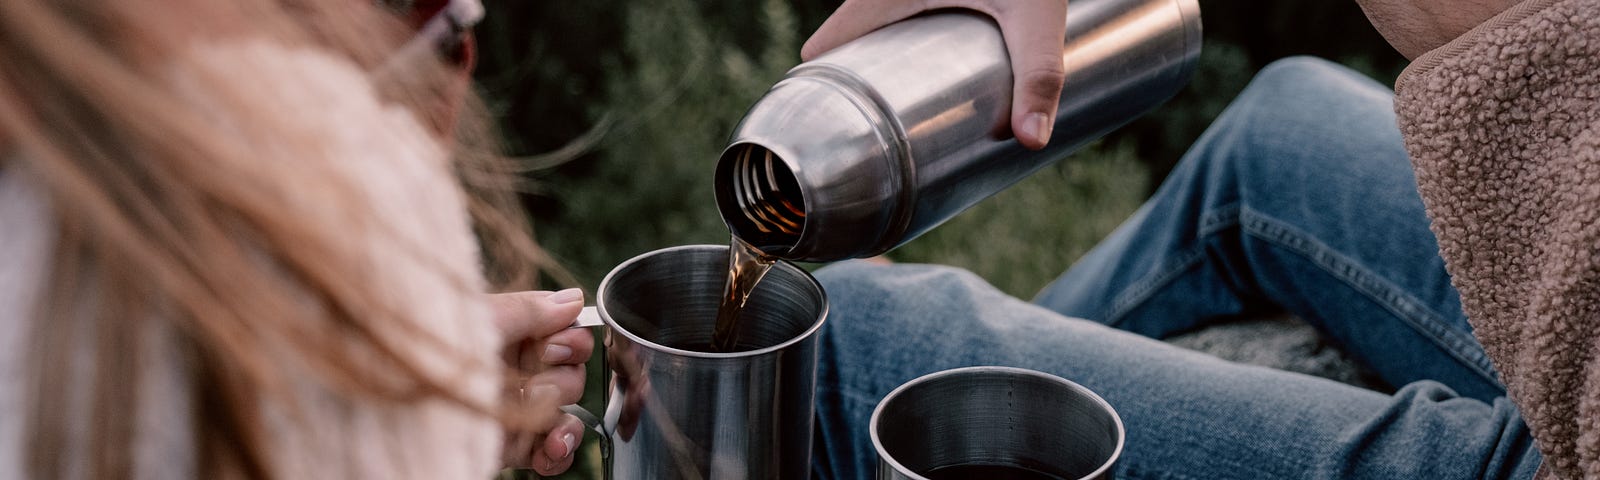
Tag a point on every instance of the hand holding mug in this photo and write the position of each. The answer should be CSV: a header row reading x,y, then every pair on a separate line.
x,y
549,359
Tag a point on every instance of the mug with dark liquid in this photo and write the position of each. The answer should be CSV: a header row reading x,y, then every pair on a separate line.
x,y
680,407
995,423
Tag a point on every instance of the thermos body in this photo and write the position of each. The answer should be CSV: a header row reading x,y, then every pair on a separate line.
x,y
880,140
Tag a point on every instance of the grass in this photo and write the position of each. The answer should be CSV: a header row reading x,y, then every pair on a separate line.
x,y
1028,234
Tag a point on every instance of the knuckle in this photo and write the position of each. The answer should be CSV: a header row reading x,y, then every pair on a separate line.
x,y
1044,78
570,379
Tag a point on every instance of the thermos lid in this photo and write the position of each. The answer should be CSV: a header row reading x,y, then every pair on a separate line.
x,y
816,151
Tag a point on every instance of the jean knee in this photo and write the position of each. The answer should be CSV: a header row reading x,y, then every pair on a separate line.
x,y
1305,115
856,290
1299,68
1306,77
864,291
872,306
1298,94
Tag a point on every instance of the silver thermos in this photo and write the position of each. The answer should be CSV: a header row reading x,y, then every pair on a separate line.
x,y
876,142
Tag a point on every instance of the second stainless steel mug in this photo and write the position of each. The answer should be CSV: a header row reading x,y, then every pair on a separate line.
x,y
678,411
872,144
995,422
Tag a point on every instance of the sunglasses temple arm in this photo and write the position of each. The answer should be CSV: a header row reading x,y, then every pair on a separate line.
x,y
456,17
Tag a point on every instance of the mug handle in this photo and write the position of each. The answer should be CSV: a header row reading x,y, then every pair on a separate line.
x,y
587,318
590,317
591,422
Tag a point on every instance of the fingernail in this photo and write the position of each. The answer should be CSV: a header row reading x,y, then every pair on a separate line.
x,y
571,442
567,296
1038,125
555,353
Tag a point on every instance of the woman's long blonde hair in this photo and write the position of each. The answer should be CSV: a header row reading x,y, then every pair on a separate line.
x,y
157,228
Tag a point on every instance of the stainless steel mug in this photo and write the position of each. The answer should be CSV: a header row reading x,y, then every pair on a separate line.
x,y
995,422
676,410
870,145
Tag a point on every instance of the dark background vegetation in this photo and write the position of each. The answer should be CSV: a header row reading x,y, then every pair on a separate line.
x,y
622,107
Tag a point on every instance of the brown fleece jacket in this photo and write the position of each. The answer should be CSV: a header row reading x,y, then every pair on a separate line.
x,y
1503,128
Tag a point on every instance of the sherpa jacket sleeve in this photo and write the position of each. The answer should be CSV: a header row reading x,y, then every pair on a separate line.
x,y
1503,128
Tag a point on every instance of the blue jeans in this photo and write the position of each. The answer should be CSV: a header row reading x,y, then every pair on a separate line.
x,y
1299,198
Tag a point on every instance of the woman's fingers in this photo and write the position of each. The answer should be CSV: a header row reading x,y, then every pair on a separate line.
x,y
572,346
547,447
535,314
551,358
568,381
523,439
555,453
536,327
540,345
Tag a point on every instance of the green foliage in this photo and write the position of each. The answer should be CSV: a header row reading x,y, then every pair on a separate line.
x,y
670,108
1028,234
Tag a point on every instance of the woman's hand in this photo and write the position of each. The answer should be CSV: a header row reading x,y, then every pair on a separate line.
x,y
549,358
1035,34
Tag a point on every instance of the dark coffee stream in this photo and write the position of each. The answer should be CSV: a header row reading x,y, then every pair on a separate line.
x,y
746,265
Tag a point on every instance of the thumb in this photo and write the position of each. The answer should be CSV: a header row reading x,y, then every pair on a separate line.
x,y
535,314
1035,33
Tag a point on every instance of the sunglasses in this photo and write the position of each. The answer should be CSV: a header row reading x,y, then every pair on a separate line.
x,y
442,26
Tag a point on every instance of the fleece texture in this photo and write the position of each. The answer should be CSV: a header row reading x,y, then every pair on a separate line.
x,y
1503,128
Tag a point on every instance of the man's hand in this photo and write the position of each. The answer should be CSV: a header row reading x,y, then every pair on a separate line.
x,y
1035,35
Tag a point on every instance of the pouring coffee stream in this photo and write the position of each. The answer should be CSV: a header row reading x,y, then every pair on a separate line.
x,y
746,265
768,198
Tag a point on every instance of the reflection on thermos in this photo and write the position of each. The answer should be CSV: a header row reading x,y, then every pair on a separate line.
x,y
864,148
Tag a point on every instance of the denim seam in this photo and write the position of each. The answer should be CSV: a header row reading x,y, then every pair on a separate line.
x,y
1373,286
1217,219
1141,291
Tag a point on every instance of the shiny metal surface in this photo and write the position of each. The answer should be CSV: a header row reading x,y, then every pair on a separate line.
x,y
995,416
676,411
892,134
588,317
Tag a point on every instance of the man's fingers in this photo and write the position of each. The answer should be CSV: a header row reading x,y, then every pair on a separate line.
x,y
1035,34
1034,31
852,20
536,314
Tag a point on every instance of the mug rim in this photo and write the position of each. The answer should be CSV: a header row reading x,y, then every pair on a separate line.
x,y
877,412
600,305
